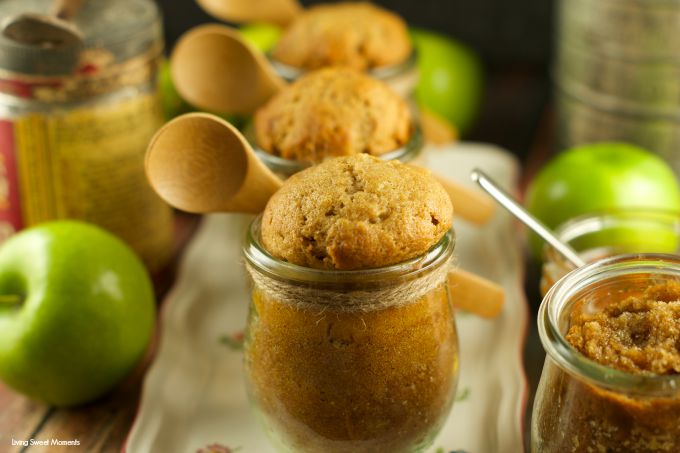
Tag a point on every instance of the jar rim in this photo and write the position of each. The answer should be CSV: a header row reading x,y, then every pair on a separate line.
x,y
594,221
257,256
384,73
409,151
562,295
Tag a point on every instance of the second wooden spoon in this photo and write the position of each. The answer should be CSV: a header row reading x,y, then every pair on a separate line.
x,y
214,69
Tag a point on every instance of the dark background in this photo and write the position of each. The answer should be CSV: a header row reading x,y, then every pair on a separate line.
x,y
502,31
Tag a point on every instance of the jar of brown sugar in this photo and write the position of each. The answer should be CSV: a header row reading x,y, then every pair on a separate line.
x,y
611,379
351,343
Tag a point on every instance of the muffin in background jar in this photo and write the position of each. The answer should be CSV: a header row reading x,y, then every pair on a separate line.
x,y
334,112
611,378
358,35
610,233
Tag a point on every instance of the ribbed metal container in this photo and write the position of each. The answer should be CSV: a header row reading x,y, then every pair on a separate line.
x,y
617,73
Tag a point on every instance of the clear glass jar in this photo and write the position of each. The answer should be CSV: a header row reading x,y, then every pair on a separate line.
x,y
617,232
402,77
286,168
359,361
583,406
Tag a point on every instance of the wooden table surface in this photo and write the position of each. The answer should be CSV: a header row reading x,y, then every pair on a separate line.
x,y
515,115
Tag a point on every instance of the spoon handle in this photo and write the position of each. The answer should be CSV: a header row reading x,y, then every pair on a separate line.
x,y
505,200
475,294
66,9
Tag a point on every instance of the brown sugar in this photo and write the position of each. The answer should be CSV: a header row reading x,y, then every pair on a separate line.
x,y
354,382
356,212
354,34
333,112
638,334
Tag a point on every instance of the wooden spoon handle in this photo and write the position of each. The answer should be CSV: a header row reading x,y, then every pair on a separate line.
x,y
469,204
66,9
475,294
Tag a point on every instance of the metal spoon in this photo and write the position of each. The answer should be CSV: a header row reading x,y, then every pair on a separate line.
x,y
55,30
509,203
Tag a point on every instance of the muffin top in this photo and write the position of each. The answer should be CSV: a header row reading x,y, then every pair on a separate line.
x,y
359,35
356,212
333,112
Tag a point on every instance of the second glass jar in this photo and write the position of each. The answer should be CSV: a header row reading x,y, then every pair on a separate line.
x,y
359,361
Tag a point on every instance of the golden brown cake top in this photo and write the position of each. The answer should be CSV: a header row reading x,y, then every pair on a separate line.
x,y
356,212
356,34
333,112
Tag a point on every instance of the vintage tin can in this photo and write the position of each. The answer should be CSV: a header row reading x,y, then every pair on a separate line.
x,y
72,145
617,73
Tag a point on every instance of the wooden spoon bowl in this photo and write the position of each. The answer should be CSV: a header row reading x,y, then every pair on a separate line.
x,y
201,163
280,12
214,69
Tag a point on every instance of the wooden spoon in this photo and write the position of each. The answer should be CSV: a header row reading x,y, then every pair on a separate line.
x,y
214,69
475,294
200,163
279,12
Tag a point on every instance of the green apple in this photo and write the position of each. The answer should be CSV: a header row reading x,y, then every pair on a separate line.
x,y
451,82
603,177
262,36
171,102
76,312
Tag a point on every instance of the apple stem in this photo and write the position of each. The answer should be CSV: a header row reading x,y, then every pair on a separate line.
x,y
10,299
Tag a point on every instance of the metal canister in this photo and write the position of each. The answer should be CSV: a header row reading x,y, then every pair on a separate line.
x,y
617,73
72,144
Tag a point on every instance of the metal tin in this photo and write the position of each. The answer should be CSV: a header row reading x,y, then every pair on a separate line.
x,y
618,74
72,145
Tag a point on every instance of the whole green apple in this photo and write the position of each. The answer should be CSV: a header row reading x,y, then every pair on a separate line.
x,y
451,81
76,312
603,177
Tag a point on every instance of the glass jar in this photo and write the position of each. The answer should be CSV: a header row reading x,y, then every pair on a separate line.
x,y
286,168
616,232
581,405
402,77
73,136
359,361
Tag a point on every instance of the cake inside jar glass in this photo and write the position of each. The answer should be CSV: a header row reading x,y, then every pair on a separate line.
x,y
333,112
351,343
612,374
359,35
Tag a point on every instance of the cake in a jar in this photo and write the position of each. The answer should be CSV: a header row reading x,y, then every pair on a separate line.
x,y
359,35
333,112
